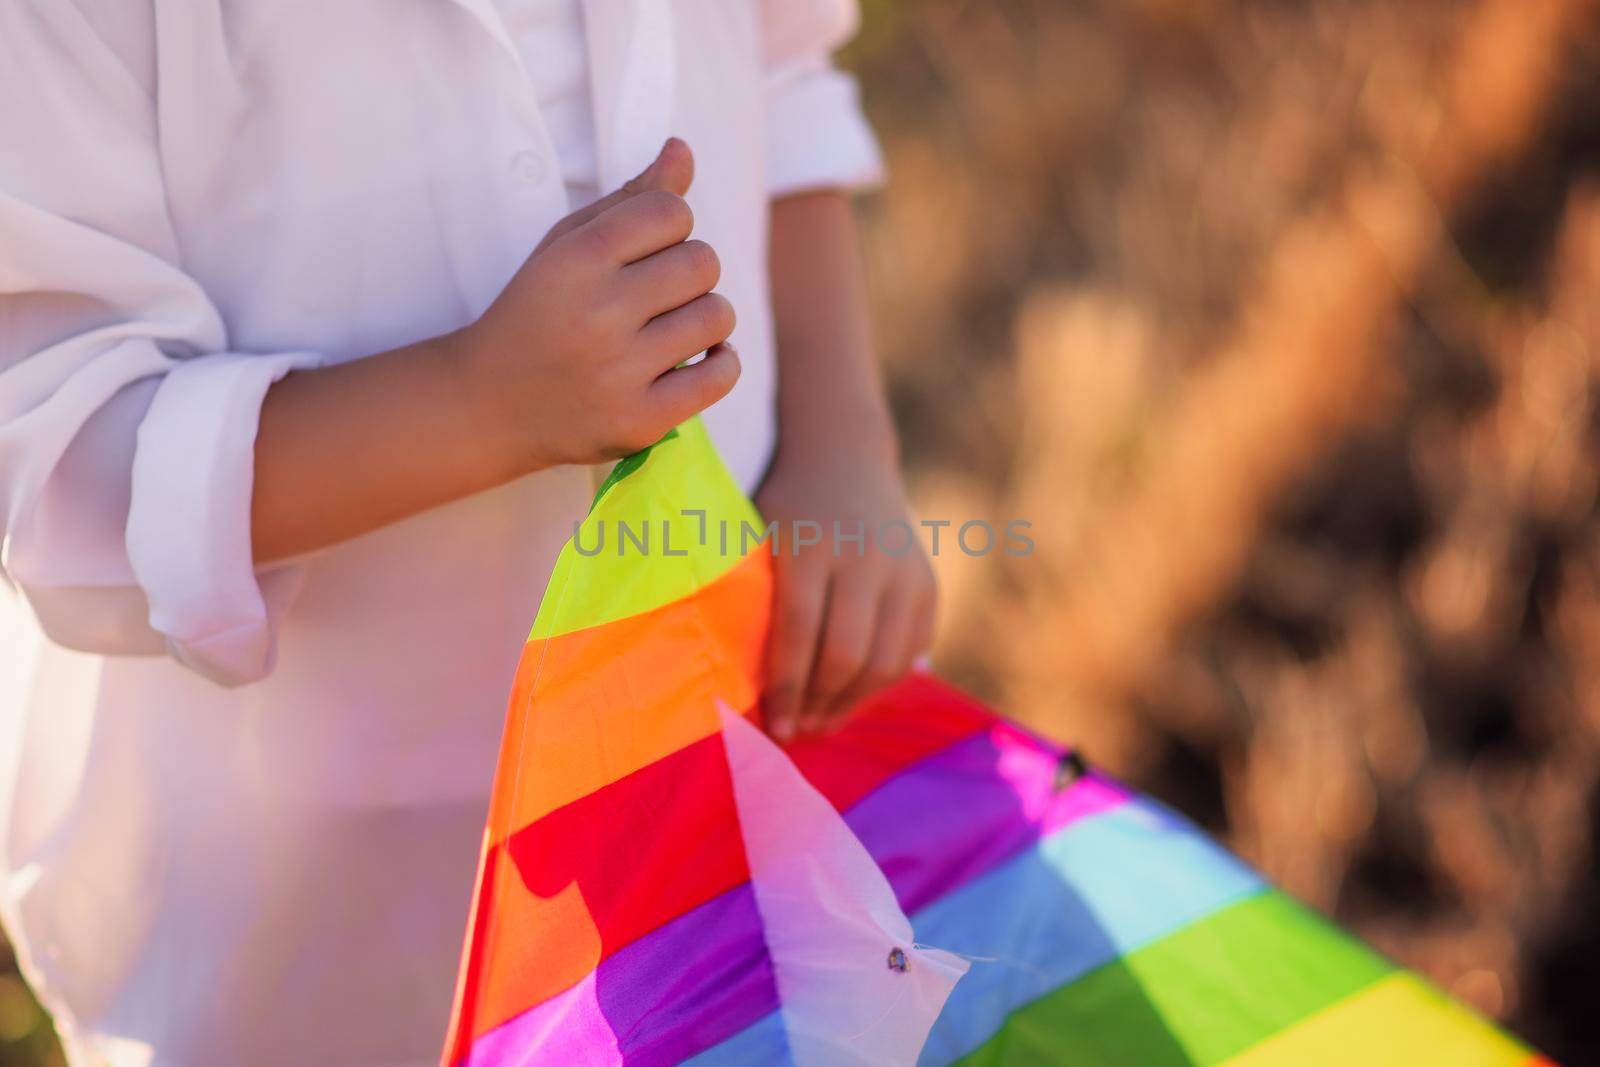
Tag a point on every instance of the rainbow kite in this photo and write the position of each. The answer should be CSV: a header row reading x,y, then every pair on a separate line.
x,y
661,884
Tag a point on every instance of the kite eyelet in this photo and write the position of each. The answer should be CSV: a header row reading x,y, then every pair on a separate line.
x,y
1070,768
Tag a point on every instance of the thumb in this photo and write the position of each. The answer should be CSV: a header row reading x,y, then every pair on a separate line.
x,y
671,170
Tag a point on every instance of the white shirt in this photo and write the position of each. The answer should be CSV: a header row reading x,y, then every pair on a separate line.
x,y
240,809
550,40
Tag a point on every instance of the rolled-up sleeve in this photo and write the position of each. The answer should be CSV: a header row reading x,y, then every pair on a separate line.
x,y
127,424
817,134
188,529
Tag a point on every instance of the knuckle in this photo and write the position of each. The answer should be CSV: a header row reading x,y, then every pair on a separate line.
x,y
724,376
592,243
871,569
785,684
797,614
699,317
705,267
667,210
839,660
718,316
784,693
654,200
682,216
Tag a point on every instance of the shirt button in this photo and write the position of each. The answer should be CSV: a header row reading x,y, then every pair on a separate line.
x,y
528,166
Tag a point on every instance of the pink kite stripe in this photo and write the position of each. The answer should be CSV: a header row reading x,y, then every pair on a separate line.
x,y
966,810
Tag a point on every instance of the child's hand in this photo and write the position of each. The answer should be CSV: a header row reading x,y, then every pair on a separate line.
x,y
844,624
577,360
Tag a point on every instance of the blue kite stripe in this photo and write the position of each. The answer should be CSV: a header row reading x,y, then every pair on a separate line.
x,y
1098,889
765,1042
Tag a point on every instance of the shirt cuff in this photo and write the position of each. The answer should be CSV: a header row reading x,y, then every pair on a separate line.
x,y
817,135
188,532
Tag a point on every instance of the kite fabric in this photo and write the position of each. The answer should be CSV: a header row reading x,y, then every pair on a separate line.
x,y
661,883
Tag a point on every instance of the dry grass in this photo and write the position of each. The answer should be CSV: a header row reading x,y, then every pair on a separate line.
x,y
1281,321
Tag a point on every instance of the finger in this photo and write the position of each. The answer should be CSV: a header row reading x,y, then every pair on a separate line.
x,y
801,586
893,646
684,392
638,227
672,170
672,277
843,646
701,324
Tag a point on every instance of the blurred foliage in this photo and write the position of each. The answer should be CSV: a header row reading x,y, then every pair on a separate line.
x,y
26,1037
1280,320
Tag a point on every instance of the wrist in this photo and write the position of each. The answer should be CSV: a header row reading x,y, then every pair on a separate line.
x,y
860,433
491,421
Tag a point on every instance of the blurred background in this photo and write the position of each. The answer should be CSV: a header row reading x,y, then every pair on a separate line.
x,y
1280,322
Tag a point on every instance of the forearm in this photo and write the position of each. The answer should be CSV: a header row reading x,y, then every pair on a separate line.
x,y
343,450
829,390
846,623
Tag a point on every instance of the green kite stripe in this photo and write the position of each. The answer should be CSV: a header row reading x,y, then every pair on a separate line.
x,y
1195,997
598,577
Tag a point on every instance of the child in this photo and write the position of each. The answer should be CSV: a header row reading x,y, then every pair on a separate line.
x,y
292,426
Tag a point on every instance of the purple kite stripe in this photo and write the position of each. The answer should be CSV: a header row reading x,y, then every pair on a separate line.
x,y
966,810
706,976
679,990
